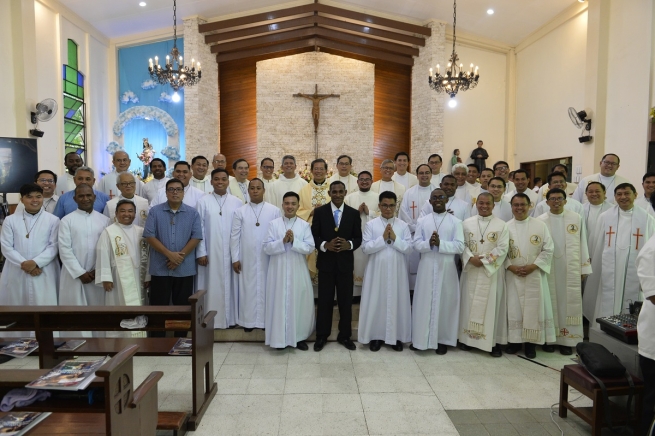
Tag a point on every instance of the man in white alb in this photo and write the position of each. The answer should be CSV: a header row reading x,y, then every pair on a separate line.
x,y
459,208
558,180
521,179
200,179
460,172
435,317
502,208
239,183
435,162
72,161
47,180
472,183
249,262
344,167
79,232
501,169
267,167
366,203
570,265
385,312
570,187
529,309
215,272
486,175
609,164
158,181
181,172
121,163
219,161
126,184
483,310
621,233
288,181
410,210
386,183
647,182
402,174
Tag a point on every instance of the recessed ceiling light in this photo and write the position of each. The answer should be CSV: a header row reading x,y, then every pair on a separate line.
x,y
452,102
490,11
142,4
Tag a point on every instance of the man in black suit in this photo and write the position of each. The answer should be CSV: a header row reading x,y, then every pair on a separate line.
x,y
337,230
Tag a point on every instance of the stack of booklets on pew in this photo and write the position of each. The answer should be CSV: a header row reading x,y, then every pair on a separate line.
x,y
20,348
69,375
19,423
182,347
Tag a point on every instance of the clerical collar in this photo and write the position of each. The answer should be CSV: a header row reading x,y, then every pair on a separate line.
x,y
33,214
485,218
198,180
220,195
83,211
320,184
440,213
391,220
423,187
629,211
556,215
522,221
287,219
125,226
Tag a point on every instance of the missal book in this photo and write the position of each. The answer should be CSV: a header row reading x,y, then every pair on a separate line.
x,y
18,423
182,347
72,344
20,348
69,375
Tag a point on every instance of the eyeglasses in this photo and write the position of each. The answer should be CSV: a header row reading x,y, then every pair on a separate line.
x,y
365,180
387,168
174,190
610,164
424,173
268,167
46,180
438,197
387,206
128,184
121,160
501,168
343,163
556,199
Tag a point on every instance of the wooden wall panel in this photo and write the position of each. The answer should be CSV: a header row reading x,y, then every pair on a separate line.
x,y
392,115
238,104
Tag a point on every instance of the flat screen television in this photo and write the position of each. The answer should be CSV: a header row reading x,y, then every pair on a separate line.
x,y
18,163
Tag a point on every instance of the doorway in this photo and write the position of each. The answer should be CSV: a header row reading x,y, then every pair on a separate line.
x,y
541,168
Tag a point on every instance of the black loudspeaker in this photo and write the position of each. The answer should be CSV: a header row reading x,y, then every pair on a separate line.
x,y
651,156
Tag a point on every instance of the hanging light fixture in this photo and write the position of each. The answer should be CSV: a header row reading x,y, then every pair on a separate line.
x,y
175,72
455,78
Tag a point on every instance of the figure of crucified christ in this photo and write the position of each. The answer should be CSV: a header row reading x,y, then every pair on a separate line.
x,y
316,99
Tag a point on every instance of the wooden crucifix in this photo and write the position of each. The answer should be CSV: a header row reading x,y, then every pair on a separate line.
x,y
316,109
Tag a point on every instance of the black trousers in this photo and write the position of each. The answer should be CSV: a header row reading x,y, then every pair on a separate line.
x,y
165,290
647,414
327,281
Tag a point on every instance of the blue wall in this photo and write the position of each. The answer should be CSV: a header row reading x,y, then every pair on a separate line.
x,y
133,71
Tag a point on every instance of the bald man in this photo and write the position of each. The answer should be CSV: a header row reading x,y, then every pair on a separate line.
x,y
121,163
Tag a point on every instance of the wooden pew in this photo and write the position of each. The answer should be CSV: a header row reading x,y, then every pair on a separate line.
x,y
45,320
124,411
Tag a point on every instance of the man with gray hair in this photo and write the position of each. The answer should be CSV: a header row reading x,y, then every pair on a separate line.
x,y
67,204
289,181
121,163
126,184
386,183
460,171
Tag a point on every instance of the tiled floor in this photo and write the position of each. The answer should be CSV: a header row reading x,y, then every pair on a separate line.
x,y
262,391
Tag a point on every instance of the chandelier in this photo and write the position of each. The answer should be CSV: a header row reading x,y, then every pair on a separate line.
x,y
175,72
455,78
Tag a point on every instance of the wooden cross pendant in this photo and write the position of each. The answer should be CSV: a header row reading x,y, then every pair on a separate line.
x,y
482,241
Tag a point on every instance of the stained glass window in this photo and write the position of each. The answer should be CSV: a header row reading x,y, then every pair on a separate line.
x,y
74,107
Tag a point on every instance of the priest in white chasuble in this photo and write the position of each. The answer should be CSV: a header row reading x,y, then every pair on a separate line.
x,y
558,180
609,164
529,309
472,183
435,317
386,183
239,183
288,181
483,310
385,311
410,209
343,174
79,233
289,294
158,181
521,180
249,262
402,174
458,208
267,167
126,185
200,179
570,265
502,208
366,202
570,187
460,171
435,162
621,233
29,243
122,260
215,272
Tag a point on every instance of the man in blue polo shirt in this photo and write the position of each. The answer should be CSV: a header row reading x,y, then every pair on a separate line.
x,y
173,231
67,204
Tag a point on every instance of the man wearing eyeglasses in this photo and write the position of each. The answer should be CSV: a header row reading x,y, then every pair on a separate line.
x,y
121,163
344,167
558,181
181,172
501,169
386,183
126,184
173,230
47,180
219,161
267,167
609,164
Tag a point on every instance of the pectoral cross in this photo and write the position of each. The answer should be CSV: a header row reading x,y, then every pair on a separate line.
x,y
610,233
637,235
413,207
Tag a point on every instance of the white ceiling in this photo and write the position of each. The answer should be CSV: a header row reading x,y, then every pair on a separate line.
x,y
512,21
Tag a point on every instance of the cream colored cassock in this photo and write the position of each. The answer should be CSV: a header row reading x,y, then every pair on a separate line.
x,y
534,200
122,258
435,315
151,189
108,185
268,186
78,237
615,259
462,193
371,199
239,190
142,208
642,202
18,288
218,278
350,181
203,185
191,196
529,309
571,204
282,186
385,312
610,184
289,295
570,190
407,180
502,210
483,310
249,229
570,261
410,210
460,209
590,284
65,183
381,186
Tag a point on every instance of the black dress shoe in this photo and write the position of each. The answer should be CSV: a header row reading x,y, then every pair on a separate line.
x,y
319,344
347,343
513,348
496,351
565,351
375,345
357,300
548,348
464,347
302,346
247,330
530,351
441,349
413,348
398,346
